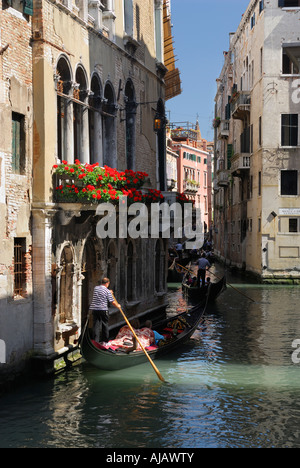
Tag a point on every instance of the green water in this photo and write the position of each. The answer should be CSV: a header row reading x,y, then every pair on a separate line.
x,y
234,385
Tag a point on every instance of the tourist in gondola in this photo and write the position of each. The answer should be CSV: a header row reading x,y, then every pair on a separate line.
x,y
102,297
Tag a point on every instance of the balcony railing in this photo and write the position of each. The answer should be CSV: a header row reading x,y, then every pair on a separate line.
x,y
224,129
188,186
240,163
223,178
241,105
184,134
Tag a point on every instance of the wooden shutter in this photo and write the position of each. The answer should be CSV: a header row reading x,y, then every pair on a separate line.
x,y
16,138
28,7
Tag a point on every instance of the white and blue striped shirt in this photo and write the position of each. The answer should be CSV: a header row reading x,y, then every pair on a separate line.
x,y
101,298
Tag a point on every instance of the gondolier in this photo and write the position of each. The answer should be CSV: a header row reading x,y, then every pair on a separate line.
x,y
202,264
102,297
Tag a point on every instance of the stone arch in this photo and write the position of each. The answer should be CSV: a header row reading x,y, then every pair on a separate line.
x,y
131,271
130,108
159,265
112,262
95,120
81,116
109,126
64,78
92,269
66,285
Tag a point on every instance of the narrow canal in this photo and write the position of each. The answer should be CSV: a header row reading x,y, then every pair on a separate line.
x,y
234,385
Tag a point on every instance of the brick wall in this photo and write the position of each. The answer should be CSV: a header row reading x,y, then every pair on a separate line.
x,y
15,96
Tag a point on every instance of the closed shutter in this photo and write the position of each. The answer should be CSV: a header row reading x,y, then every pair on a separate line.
x,y
28,7
229,155
16,138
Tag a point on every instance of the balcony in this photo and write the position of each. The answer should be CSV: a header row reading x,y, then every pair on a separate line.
x,y
216,187
184,134
190,186
224,129
223,178
240,164
241,104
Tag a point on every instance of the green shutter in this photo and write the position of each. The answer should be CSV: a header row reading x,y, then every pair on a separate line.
x,y
28,7
229,155
16,137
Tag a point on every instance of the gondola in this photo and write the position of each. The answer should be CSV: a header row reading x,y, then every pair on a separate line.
x,y
197,294
176,270
177,330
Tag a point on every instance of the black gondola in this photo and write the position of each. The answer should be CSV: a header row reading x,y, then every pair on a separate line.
x,y
196,293
176,335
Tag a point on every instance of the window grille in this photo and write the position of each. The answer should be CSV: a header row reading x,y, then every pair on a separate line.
x,y
19,248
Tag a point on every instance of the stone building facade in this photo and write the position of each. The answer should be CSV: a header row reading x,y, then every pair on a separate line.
x,y
257,144
193,168
95,85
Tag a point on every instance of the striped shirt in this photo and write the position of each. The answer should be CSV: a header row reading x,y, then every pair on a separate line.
x,y
101,298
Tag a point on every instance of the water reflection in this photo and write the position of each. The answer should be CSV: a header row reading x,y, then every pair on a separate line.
x,y
233,385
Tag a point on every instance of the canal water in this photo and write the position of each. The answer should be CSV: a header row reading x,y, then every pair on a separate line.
x,y
234,385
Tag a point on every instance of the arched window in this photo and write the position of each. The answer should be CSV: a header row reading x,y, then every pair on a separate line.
x,y
161,147
81,117
130,272
64,111
160,273
109,127
157,266
130,124
95,119
90,277
66,286
112,264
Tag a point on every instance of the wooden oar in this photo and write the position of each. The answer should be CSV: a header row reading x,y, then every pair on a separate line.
x,y
136,337
250,298
245,295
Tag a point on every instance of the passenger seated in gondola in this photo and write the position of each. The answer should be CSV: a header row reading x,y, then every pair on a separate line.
x,y
125,332
125,339
157,336
189,279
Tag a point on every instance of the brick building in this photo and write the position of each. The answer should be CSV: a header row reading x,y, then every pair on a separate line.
x,y
99,77
16,130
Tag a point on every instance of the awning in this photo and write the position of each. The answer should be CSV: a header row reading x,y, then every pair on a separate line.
x,y
172,77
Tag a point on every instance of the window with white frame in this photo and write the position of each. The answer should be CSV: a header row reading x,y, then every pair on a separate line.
x,y
291,59
289,129
288,3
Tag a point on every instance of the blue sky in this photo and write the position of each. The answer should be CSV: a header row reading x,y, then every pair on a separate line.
x,y
201,33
